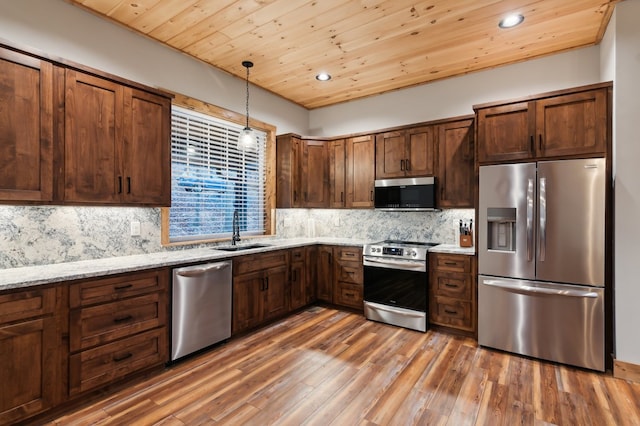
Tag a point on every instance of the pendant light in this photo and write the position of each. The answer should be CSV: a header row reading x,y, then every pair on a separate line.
x,y
247,138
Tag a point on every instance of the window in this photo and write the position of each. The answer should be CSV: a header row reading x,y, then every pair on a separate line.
x,y
211,178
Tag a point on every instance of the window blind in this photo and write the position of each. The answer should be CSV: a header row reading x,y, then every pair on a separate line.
x,y
210,178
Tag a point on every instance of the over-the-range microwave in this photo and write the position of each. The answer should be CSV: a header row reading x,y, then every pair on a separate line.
x,y
405,194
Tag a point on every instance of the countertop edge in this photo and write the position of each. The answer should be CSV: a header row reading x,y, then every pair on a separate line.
x,y
29,276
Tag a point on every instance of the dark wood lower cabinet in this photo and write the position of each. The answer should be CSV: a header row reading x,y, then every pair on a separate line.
x,y
452,294
261,289
340,276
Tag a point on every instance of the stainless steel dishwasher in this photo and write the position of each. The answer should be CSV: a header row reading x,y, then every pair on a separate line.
x,y
201,307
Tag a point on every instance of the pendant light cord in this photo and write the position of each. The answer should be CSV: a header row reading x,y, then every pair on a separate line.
x,y
247,65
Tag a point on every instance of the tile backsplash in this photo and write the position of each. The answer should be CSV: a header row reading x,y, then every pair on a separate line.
x,y
40,235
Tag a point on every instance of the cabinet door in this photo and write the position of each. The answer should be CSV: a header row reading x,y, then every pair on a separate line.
x,y
360,171
298,285
505,133
146,150
26,128
456,164
311,269
421,152
324,289
93,131
574,124
337,173
26,376
315,174
276,292
390,155
247,301
288,183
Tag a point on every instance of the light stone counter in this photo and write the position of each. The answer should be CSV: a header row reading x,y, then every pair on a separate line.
x,y
46,274
453,249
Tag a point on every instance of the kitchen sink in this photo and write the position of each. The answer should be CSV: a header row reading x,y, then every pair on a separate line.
x,y
240,247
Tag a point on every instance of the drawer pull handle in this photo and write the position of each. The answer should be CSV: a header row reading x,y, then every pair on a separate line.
x,y
123,287
447,311
122,319
450,285
450,263
122,357
349,294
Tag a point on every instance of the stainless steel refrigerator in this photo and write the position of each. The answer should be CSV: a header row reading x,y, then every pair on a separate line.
x,y
541,260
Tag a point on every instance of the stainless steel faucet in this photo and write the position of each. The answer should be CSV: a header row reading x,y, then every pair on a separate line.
x,y
236,228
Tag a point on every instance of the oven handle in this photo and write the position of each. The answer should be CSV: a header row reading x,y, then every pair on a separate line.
x,y
390,264
404,312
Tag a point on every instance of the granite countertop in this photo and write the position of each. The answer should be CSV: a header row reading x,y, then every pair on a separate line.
x,y
47,274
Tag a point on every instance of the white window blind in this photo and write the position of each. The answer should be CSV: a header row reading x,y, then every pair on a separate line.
x,y
210,178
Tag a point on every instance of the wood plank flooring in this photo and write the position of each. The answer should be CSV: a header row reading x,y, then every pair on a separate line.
x,y
328,367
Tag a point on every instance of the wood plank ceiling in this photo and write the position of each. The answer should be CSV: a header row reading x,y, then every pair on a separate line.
x,y
368,46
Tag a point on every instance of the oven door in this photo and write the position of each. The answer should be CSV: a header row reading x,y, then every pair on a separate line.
x,y
396,282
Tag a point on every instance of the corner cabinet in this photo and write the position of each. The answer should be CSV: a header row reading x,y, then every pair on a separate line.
x,y
26,128
303,172
406,153
568,123
116,145
456,175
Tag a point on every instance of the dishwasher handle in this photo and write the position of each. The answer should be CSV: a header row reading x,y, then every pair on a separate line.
x,y
203,269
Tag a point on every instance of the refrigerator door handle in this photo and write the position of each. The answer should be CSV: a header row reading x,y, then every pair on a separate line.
x,y
530,220
543,219
527,289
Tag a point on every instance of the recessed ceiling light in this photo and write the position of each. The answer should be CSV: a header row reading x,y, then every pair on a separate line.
x,y
323,76
511,21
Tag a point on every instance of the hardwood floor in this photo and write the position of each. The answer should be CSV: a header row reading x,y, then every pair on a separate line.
x,y
323,366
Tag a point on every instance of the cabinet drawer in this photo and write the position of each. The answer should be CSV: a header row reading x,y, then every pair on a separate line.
x,y
115,288
99,324
452,284
297,255
452,312
349,254
251,263
99,366
26,304
452,262
351,272
348,295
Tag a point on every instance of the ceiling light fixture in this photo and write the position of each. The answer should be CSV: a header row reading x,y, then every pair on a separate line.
x,y
511,21
323,76
247,138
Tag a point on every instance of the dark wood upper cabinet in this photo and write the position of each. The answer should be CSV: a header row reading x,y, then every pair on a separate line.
x,y
573,124
360,171
303,172
71,135
406,153
26,128
116,143
568,123
456,164
337,173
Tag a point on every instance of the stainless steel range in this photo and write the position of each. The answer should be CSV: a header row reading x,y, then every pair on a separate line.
x,y
396,283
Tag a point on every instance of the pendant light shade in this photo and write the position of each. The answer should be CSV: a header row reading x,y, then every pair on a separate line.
x,y
247,139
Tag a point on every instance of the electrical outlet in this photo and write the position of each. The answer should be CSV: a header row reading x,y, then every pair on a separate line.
x,y
135,228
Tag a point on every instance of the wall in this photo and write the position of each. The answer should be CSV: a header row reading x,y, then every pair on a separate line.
x,y
60,29
625,55
456,96
372,225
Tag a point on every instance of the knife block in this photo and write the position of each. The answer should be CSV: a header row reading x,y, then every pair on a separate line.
x,y
466,240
